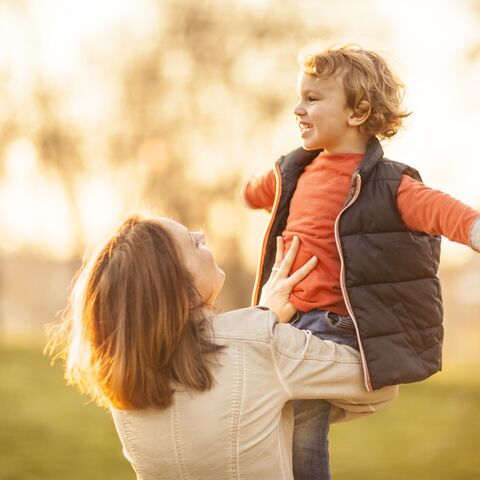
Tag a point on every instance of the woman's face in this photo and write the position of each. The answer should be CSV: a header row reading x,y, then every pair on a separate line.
x,y
207,277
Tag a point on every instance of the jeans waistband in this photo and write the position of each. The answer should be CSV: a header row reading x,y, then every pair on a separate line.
x,y
337,319
327,326
344,321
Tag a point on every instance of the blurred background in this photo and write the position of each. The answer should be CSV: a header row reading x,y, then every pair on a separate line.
x,y
115,106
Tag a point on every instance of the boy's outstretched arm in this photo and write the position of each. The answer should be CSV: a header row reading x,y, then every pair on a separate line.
x,y
259,192
425,209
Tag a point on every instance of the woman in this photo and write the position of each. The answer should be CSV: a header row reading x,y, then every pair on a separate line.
x,y
195,395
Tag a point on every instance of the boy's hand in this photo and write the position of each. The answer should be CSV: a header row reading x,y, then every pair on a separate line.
x,y
475,235
276,292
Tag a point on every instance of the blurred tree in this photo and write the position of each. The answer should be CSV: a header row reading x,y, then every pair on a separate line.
x,y
193,87
59,148
197,100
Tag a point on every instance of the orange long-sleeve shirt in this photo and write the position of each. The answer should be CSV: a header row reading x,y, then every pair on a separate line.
x,y
315,205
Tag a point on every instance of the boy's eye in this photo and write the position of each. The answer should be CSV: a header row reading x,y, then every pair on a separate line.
x,y
312,99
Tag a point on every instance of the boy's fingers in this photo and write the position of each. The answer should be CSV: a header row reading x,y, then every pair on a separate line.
x,y
289,257
302,272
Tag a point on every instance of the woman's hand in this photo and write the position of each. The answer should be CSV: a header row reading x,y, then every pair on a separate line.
x,y
276,292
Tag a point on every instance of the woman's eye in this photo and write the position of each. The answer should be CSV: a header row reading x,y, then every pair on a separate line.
x,y
200,239
312,99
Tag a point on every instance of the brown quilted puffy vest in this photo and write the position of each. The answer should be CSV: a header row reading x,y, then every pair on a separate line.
x,y
389,273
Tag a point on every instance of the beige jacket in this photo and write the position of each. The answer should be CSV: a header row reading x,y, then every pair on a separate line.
x,y
242,428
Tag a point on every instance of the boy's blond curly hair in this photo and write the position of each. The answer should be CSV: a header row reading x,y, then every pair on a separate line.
x,y
370,84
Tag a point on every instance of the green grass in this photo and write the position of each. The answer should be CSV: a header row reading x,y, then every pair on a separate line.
x,y
48,431
431,432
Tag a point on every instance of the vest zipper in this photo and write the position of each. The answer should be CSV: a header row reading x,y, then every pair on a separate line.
x,y
358,185
278,189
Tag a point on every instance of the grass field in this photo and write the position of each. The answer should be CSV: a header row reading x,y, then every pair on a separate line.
x,y
48,431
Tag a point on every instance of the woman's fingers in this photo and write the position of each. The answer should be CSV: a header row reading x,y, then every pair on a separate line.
x,y
287,262
302,272
279,253
276,292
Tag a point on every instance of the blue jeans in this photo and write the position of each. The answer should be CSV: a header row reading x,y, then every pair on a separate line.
x,y
310,435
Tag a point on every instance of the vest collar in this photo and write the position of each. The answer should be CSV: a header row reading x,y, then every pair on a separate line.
x,y
299,158
373,155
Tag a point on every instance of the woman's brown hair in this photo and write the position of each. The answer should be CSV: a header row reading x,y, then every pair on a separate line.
x,y
134,325
370,84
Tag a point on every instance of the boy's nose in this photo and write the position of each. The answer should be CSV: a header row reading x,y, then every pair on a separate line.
x,y
299,110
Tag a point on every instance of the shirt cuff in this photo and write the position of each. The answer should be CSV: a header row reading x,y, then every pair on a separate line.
x,y
474,235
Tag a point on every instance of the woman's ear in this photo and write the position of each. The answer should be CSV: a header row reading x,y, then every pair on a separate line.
x,y
360,113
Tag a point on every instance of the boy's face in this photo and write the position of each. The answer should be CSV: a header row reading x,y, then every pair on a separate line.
x,y
322,114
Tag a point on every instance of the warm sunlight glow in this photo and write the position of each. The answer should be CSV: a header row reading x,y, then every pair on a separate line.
x,y
33,210
442,92
100,205
79,52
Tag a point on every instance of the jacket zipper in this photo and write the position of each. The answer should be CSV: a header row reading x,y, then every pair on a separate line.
x,y
278,189
358,185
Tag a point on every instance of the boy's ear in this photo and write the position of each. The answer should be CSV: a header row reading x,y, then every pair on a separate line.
x,y
360,113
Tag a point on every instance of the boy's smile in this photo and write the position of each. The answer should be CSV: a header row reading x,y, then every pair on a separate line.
x,y
323,117
304,128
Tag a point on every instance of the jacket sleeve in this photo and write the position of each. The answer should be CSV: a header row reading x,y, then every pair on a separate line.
x,y
259,192
310,368
425,209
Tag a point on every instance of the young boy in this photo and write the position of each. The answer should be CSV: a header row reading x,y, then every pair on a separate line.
x,y
371,222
